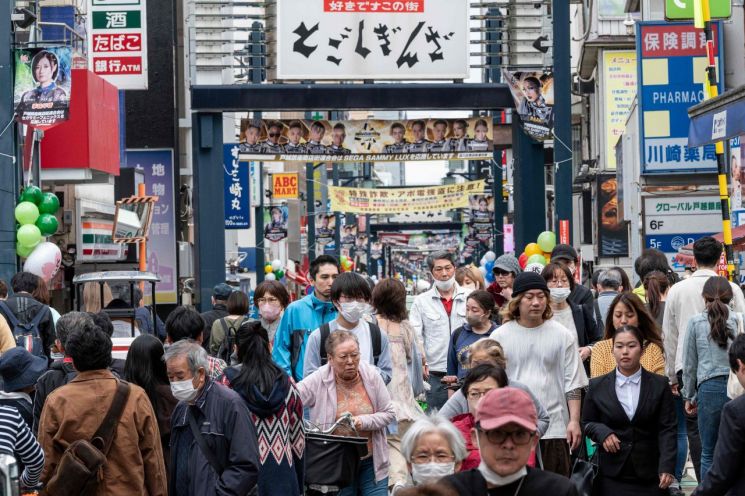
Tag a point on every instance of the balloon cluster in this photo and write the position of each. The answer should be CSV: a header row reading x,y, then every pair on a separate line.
x,y
537,255
273,271
35,216
347,264
487,264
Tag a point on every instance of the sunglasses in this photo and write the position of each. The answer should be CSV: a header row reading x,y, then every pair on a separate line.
x,y
500,272
275,135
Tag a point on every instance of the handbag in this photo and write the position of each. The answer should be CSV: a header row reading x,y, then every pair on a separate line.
x,y
332,460
734,388
79,469
584,471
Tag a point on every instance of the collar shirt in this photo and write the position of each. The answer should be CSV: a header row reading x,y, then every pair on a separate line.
x,y
627,391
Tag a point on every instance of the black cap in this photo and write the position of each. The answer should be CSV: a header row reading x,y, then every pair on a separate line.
x,y
525,281
564,252
221,291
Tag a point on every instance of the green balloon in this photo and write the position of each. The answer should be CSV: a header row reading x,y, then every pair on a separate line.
x,y
540,259
29,235
47,224
280,274
26,213
49,203
24,251
31,194
547,241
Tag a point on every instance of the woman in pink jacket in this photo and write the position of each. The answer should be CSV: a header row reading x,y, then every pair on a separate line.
x,y
346,385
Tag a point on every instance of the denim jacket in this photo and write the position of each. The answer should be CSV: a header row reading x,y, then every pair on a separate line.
x,y
703,359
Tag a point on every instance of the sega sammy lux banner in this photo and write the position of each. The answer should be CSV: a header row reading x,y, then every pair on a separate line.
x,y
367,141
43,85
533,93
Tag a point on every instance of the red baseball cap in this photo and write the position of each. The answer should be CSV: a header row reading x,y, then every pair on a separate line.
x,y
507,405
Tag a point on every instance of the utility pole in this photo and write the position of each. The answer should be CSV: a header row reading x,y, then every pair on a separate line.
x,y
562,115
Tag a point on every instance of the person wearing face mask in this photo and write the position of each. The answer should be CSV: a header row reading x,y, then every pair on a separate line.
x,y
470,277
213,439
505,270
566,254
435,314
351,295
271,298
505,433
479,325
579,319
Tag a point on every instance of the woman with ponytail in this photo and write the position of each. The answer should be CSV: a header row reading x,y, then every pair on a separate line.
x,y
656,286
706,363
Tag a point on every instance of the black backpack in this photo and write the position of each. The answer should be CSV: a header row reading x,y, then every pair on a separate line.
x,y
27,335
374,336
226,347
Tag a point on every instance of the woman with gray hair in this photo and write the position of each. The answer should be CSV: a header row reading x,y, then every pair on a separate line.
x,y
433,448
346,385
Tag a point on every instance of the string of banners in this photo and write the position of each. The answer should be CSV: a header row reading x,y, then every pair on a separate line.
x,y
366,140
398,200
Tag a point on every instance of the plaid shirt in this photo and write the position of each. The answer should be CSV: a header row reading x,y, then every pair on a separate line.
x,y
216,367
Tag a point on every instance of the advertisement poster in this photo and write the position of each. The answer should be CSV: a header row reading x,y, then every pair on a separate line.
x,y
285,186
349,236
237,190
275,223
619,73
157,167
738,178
43,85
482,217
533,93
385,39
398,200
613,234
325,226
367,140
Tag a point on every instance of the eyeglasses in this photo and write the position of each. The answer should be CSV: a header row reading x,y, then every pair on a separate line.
x,y
476,395
351,356
520,437
268,299
422,458
275,135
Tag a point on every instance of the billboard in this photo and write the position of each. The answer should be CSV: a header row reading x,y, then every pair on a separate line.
x,y
367,140
672,69
43,85
236,189
382,39
533,93
613,233
619,83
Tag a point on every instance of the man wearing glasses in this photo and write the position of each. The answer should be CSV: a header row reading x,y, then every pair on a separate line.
x,y
435,314
271,146
506,433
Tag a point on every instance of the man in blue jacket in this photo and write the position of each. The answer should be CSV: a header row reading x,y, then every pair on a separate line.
x,y
304,316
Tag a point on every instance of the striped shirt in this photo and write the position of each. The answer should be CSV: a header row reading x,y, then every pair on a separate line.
x,y
16,440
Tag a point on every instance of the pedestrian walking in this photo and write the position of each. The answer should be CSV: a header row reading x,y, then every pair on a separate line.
x,y
629,413
219,300
222,334
75,411
650,260
435,314
627,309
348,384
706,364
24,309
145,367
543,354
506,268
276,412
609,285
185,323
271,298
17,440
20,370
351,294
103,321
479,324
505,433
470,277
567,255
656,287
213,440
727,473
304,316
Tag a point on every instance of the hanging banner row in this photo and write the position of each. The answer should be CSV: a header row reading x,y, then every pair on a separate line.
x,y
367,140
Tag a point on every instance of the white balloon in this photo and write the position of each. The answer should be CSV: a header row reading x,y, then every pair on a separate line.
x,y
276,265
482,269
422,286
490,256
482,262
44,261
270,277
534,267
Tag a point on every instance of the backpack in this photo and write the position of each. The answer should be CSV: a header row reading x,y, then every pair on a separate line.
x,y
374,336
226,347
27,335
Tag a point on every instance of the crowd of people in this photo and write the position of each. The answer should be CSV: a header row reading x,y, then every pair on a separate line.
x,y
509,389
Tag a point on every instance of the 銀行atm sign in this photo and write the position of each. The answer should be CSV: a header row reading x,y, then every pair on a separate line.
x,y
117,42
285,186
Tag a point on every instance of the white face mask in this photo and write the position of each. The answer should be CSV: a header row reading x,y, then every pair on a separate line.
x,y
445,285
559,294
494,478
469,285
424,473
184,390
353,311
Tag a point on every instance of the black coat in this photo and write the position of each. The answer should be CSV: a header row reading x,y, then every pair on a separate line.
x,y
218,311
727,473
588,328
648,441
472,483
581,295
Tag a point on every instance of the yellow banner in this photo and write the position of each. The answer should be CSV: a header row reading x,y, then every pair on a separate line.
x,y
397,200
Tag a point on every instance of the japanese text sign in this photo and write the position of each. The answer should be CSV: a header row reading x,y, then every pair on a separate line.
x,y
619,78
43,86
672,70
285,186
393,201
372,39
117,42
237,190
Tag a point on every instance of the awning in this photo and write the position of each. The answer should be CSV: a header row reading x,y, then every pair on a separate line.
x,y
685,253
717,119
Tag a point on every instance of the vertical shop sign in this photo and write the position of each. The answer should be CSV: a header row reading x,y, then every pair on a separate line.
x,y
117,42
236,194
619,73
157,169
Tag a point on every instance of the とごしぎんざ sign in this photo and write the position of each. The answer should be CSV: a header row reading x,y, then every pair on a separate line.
x,y
285,186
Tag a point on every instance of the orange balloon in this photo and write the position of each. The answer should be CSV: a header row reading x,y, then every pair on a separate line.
x,y
547,256
533,249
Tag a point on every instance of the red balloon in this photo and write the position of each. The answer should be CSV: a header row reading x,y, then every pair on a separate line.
x,y
523,260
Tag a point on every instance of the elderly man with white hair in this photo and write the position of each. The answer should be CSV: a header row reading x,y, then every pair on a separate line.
x,y
213,441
